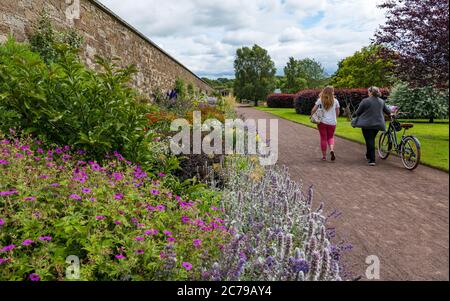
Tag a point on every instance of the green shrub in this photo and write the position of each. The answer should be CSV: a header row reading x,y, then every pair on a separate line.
x,y
54,204
424,102
66,103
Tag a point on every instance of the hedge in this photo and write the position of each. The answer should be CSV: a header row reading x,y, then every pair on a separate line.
x,y
305,100
280,100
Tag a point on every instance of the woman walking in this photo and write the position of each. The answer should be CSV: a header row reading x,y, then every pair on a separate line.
x,y
329,105
370,118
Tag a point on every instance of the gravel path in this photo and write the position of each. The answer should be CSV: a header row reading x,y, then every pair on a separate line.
x,y
400,216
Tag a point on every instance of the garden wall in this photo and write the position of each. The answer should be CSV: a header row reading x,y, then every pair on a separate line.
x,y
104,34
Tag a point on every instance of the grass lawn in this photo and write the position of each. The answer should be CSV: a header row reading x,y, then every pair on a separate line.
x,y
433,137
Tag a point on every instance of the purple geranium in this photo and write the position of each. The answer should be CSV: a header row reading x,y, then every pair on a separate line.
x,y
4,162
120,256
7,248
35,277
197,243
2,222
118,196
86,190
187,266
100,217
45,238
139,238
75,197
31,198
27,242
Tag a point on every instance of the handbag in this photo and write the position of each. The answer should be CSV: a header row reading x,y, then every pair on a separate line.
x,y
316,118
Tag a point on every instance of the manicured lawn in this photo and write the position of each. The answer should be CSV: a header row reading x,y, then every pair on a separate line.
x,y
433,137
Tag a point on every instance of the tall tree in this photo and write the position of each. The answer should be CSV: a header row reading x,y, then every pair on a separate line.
x,y
417,30
302,74
367,67
255,74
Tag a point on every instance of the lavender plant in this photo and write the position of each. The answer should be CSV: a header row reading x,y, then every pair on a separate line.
x,y
277,234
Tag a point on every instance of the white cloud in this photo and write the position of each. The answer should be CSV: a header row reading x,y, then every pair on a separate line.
x,y
204,34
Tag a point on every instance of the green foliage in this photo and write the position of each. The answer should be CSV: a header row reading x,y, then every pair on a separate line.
x,y
367,67
424,102
69,104
255,74
54,204
46,41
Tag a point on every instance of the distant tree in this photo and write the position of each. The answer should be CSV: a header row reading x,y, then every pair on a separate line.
x,y
367,67
417,30
255,74
303,74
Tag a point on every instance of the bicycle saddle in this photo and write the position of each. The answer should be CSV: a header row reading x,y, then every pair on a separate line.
x,y
407,126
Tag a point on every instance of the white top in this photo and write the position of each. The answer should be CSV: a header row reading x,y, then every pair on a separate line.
x,y
329,117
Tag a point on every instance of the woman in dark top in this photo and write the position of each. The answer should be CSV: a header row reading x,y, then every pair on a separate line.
x,y
370,117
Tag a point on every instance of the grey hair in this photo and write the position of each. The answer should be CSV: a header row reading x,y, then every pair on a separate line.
x,y
375,91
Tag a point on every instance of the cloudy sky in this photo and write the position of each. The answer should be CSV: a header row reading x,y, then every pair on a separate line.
x,y
204,34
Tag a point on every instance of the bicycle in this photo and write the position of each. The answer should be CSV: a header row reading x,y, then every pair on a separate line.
x,y
408,148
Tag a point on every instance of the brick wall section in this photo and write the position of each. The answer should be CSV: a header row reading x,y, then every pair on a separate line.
x,y
104,34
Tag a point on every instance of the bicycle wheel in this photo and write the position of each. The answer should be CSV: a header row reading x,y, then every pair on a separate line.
x,y
384,145
410,153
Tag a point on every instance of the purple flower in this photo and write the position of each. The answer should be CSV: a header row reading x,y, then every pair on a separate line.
x,y
171,239
75,197
187,266
96,167
31,198
118,176
27,242
118,196
45,238
140,252
161,175
118,222
35,277
100,217
55,185
151,232
7,248
167,233
161,208
120,256
86,190
2,222
8,193
4,162
185,219
139,238
2,261
197,243
155,192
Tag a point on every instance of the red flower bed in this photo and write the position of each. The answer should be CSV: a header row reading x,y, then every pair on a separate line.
x,y
280,100
305,100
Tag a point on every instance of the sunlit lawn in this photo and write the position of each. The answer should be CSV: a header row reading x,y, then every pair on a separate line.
x,y
433,137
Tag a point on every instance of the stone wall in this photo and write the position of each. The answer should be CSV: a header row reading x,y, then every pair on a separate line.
x,y
104,34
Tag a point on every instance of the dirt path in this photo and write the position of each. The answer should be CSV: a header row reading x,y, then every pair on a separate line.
x,y
400,216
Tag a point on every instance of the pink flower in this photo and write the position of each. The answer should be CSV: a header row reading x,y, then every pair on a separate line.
x,y
197,243
45,238
118,176
7,248
2,222
120,256
118,222
75,197
167,233
171,239
140,252
185,219
118,196
86,190
187,266
35,277
31,198
2,261
8,193
161,208
100,217
155,192
27,242
4,162
151,232
139,238
161,175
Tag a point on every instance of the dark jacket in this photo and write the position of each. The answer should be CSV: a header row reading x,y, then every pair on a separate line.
x,y
370,114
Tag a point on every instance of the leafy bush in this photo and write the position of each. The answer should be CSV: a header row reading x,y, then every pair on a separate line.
x,y
278,236
66,103
280,100
424,102
348,98
122,223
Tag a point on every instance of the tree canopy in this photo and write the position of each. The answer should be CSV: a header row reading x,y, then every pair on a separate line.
x,y
367,67
417,31
254,72
303,74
